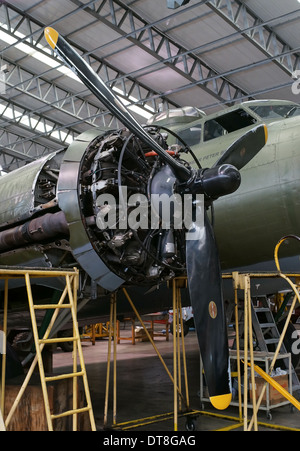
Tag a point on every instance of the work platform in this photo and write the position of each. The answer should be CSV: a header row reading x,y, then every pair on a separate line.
x,y
65,301
183,408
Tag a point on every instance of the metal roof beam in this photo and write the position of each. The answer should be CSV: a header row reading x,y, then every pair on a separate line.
x,y
12,113
146,36
240,17
110,74
17,150
52,95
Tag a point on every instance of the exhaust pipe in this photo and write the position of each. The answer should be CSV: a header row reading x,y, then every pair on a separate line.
x,y
38,230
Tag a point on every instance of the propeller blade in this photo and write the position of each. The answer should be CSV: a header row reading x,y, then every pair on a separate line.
x,y
241,152
97,86
203,266
205,287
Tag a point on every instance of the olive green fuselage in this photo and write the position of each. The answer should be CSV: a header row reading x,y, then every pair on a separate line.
x,y
250,222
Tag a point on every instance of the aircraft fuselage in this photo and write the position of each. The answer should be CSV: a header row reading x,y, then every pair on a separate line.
x,y
265,208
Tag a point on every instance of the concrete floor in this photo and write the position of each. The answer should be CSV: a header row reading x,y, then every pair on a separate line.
x,y
144,388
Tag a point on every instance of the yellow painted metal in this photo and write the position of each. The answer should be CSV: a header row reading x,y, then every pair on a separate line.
x,y
51,36
10,274
64,376
238,352
277,247
187,397
296,298
175,329
240,424
34,363
50,341
176,284
241,282
176,379
76,349
38,352
35,273
115,363
251,352
70,290
246,336
70,412
51,306
134,424
230,428
112,308
112,336
73,301
277,386
150,339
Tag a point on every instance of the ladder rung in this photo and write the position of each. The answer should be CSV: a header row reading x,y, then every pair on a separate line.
x,y
267,325
70,412
63,376
51,306
272,341
58,340
261,310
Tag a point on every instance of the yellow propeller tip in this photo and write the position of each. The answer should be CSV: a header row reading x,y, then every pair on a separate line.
x,y
221,402
51,36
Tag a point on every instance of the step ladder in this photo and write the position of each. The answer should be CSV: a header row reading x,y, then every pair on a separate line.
x,y
267,334
71,295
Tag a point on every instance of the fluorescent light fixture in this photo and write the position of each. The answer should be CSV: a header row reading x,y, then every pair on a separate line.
x,y
134,108
34,124
25,48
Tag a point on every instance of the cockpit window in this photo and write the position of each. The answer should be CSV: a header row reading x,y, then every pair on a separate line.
x,y
276,111
190,136
228,123
213,130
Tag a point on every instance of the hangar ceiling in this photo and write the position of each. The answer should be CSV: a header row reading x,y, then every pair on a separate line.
x,y
208,54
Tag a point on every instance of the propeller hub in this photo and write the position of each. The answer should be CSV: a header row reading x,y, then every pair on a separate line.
x,y
221,181
214,182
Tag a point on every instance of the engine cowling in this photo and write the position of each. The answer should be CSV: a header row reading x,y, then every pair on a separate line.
x,y
91,206
106,200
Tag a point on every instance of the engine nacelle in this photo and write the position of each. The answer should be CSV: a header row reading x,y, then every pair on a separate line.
x,y
89,206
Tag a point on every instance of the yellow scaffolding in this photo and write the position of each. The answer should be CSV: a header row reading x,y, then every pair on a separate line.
x,y
243,282
240,281
69,293
179,361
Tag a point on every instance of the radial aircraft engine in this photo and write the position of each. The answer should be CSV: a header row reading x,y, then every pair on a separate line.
x,y
52,213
